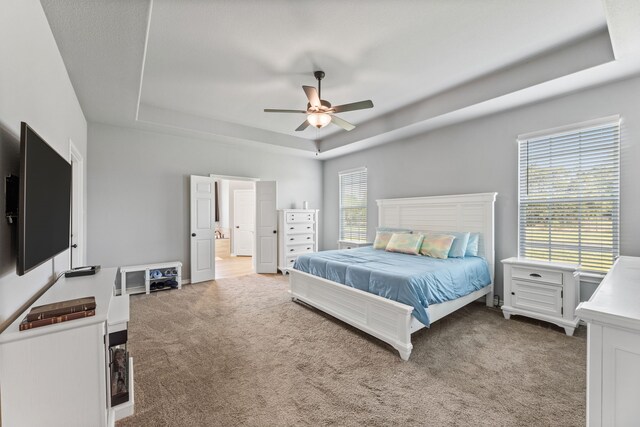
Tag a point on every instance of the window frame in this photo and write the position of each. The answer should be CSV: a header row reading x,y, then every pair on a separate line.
x,y
341,228
564,131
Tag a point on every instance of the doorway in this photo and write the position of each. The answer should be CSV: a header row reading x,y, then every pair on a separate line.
x,y
235,226
78,250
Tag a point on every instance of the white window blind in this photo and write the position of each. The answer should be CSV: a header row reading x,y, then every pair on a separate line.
x,y
570,196
353,205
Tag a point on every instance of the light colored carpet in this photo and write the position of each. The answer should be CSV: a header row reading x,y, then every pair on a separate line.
x,y
239,352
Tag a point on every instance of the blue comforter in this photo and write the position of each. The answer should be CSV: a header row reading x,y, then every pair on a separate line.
x,y
410,279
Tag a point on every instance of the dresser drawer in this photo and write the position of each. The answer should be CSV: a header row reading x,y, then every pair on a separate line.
x,y
298,228
290,261
297,217
298,238
537,297
537,275
297,249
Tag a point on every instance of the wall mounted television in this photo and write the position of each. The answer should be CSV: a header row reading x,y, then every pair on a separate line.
x,y
44,211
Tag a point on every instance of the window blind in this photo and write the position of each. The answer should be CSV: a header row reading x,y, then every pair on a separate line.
x,y
569,197
353,205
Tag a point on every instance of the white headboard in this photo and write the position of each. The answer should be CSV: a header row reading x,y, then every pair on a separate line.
x,y
463,212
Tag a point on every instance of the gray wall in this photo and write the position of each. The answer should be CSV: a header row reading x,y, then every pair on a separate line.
x,y
35,88
138,182
481,156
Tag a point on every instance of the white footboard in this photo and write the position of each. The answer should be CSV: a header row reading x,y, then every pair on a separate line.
x,y
384,319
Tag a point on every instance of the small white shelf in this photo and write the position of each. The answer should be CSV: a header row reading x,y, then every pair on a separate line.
x,y
147,268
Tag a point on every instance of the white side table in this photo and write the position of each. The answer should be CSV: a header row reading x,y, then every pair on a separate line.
x,y
542,290
146,268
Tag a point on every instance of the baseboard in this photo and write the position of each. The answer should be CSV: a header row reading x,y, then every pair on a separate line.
x,y
186,281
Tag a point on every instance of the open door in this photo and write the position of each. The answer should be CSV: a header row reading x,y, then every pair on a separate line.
x,y
266,251
203,243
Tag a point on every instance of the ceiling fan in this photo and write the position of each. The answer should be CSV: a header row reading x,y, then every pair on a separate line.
x,y
320,112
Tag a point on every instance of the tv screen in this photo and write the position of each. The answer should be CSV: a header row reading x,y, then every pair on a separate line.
x,y
44,213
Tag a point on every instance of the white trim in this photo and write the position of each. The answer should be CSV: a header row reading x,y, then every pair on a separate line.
x,y
360,169
144,58
76,157
233,178
570,128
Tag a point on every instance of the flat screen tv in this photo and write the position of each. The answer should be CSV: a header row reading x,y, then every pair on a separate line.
x,y
44,211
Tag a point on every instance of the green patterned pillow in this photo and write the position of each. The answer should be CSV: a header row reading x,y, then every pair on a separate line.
x,y
405,243
383,235
436,245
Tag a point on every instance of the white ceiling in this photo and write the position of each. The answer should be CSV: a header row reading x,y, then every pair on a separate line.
x,y
209,68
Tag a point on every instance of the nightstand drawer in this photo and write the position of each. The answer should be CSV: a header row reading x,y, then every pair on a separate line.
x,y
537,297
537,275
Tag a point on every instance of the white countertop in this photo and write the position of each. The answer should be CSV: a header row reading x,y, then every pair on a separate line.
x,y
617,299
100,286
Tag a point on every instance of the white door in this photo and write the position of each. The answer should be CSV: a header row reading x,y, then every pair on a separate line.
x,y
266,253
203,242
77,207
244,213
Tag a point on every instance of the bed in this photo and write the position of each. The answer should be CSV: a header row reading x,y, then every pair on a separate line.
x,y
392,321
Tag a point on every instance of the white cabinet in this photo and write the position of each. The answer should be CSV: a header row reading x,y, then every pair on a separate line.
x,y
169,271
541,290
613,347
297,234
57,375
346,244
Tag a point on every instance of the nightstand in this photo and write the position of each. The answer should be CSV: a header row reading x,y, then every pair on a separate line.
x,y
542,290
346,244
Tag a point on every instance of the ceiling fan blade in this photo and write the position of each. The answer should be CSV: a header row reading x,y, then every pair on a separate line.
x,y
275,110
353,106
342,123
312,95
303,126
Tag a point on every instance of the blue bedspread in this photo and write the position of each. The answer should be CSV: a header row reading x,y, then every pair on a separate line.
x,y
410,279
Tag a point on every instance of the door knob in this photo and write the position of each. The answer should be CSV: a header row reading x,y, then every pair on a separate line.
x,y
74,246
237,226
193,234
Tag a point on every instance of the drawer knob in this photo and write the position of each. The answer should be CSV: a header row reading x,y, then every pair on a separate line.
x,y
535,275
308,249
291,239
308,238
291,250
513,293
290,228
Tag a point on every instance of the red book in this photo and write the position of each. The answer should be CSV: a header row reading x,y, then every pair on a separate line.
x,y
25,324
62,307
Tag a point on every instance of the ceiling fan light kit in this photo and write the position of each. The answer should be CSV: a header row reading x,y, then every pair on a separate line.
x,y
319,120
320,112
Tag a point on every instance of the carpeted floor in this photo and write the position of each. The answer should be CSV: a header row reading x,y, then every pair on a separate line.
x,y
239,352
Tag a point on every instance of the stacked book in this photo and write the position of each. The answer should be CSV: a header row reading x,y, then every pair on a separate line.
x,y
59,312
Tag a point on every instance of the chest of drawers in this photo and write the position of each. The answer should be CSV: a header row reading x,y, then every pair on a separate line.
x,y
297,234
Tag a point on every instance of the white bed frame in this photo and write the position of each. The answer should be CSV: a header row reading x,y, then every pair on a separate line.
x,y
389,320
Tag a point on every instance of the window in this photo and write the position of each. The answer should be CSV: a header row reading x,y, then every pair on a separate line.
x,y
353,205
569,195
